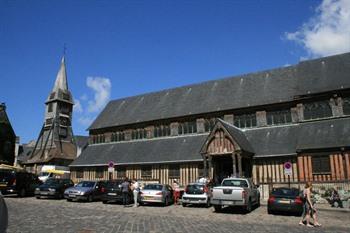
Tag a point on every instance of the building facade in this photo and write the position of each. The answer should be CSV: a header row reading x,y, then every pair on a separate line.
x,y
248,125
7,138
55,144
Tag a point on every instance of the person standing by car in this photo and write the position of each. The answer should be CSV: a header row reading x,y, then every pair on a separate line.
x,y
136,190
176,188
125,191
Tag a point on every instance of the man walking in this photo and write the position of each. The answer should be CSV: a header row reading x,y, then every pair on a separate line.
x,y
125,191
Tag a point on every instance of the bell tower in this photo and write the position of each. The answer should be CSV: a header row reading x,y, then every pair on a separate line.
x,y
55,144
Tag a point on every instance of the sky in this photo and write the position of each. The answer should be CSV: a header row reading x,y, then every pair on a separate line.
x,y
116,49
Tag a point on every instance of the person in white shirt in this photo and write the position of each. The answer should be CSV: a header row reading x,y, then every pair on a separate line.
x,y
136,190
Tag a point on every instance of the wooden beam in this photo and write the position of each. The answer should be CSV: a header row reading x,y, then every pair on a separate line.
x,y
301,168
347,165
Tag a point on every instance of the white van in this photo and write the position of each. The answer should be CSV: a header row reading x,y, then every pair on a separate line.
x,y
53,171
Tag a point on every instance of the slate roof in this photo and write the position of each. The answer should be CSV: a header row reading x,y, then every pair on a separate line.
x,y
265,142
81,141
238,136
165,150
324,134
271,86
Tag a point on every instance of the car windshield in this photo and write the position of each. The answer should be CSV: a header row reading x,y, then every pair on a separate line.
x,y
153,187
195,188
285,192
53,181
88,184
235,183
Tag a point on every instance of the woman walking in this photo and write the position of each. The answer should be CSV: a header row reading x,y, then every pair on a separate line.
x,y
309,209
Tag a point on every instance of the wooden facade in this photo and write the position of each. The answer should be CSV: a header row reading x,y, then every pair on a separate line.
x,y
187,173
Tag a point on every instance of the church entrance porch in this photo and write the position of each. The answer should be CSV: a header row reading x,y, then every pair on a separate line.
x,y
226,152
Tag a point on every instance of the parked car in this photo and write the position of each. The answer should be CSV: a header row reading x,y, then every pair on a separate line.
x,y
196,194
85,190
157,193
235,192
113,192
53,187
285,200
18,182
3,214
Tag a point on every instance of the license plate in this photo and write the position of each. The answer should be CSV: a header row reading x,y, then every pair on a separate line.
x,y
226,202
71,195
147,198
3,185
284,202
43,193
112,194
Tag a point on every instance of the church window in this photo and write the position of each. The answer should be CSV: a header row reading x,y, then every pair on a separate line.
x,y
80,173
317,110
174,171
121,171
50,107
188,127
138,134
161,131
146,171
99,173
278,117
65,96
346,106
320,164
245,120
209,124
52,95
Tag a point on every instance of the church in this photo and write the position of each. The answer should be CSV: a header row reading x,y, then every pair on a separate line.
x,y
247,126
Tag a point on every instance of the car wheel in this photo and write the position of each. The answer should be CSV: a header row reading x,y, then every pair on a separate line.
x,y
90,198
69,199
22,192
141,203
104,202
37,197
217,208
184,204
258,202
249,206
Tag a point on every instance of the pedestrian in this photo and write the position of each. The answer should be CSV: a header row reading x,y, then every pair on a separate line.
x,y
125,191
136,190
335,198
309,209
176,188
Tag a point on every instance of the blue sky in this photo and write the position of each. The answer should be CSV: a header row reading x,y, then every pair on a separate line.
x,y
123,48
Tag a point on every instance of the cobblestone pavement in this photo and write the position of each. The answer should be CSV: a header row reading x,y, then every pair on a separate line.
x,y
32,215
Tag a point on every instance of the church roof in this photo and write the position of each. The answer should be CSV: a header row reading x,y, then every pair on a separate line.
x,y
265,142
271,87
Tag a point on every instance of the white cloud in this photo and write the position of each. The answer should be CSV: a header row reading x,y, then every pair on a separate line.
x,y
77,106
85,120
102,88
328,32
84,97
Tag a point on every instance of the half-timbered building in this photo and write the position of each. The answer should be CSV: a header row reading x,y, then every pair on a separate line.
x,y
247,125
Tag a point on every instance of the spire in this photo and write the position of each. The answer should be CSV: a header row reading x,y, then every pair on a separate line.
x,y
61,79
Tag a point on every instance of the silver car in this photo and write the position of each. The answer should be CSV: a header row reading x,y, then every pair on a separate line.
x,y
157,193
85,190
196,194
